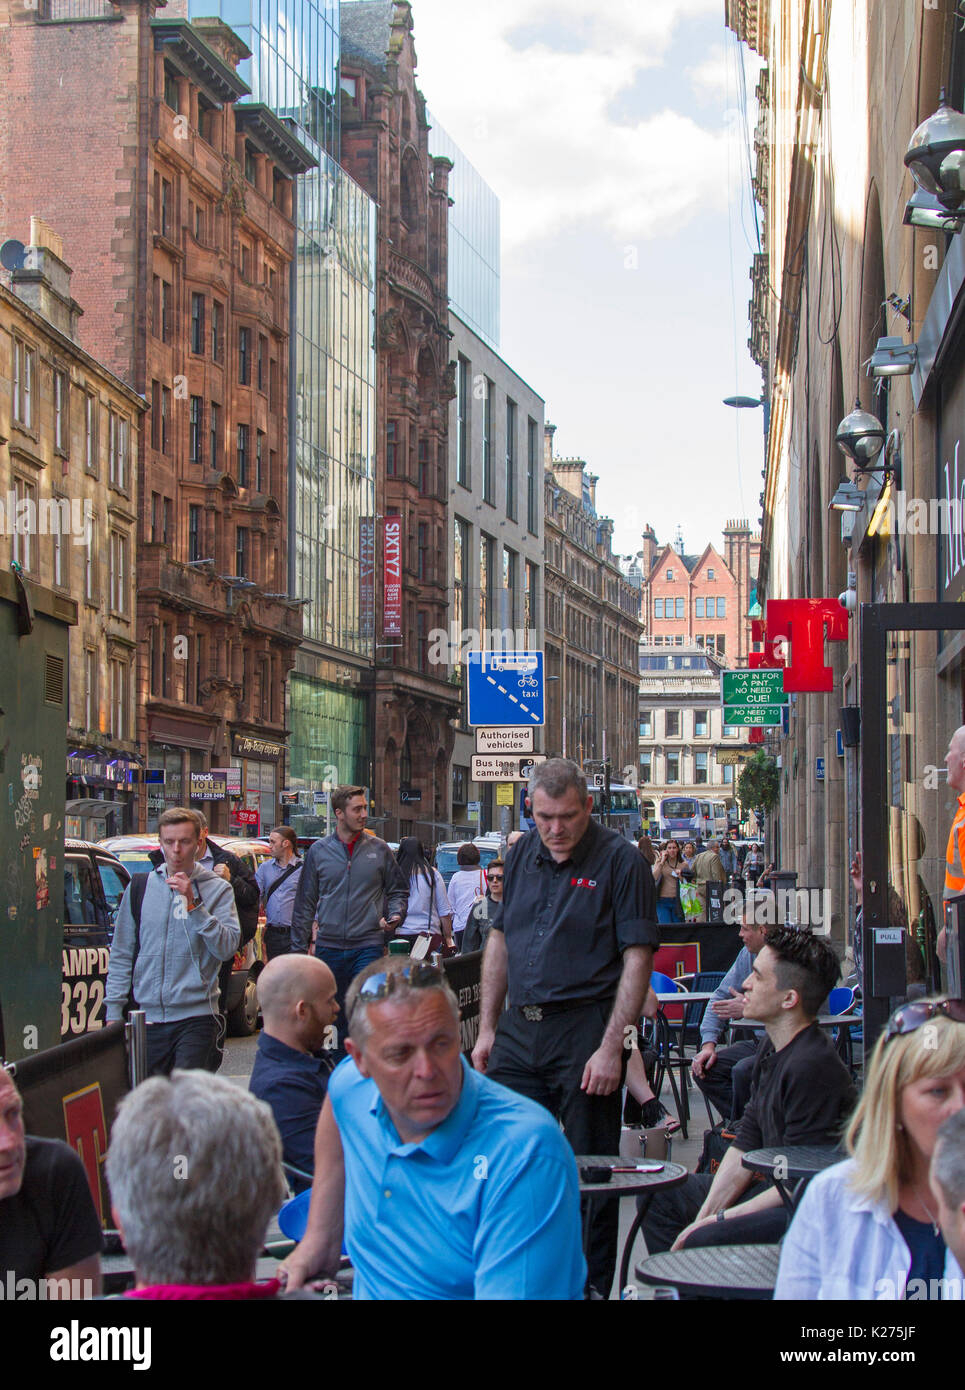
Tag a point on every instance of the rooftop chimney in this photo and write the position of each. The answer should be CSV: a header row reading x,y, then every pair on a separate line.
x,y
43,281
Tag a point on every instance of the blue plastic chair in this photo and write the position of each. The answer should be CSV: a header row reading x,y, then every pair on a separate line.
x,y
293,1216
842,1000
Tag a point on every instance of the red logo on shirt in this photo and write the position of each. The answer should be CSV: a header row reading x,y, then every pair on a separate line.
x,y
582,882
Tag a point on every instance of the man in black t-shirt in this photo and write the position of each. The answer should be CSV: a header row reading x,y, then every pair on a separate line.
x,y
801,1093
48,1225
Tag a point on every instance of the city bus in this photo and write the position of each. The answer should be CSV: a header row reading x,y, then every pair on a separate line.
x,y
685,818
624,814
721,826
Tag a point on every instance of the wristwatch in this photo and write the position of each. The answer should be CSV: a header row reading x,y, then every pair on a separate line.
x,y
721,1216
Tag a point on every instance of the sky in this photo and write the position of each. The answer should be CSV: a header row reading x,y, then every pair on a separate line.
x,y
613,133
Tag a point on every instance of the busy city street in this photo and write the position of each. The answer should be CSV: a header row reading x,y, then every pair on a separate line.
x,y
482,670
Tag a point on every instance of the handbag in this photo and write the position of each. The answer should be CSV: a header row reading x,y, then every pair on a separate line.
x,y
690,901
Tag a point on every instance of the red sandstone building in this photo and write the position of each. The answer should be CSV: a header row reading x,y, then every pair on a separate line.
x,y
704,599
175,206
385,149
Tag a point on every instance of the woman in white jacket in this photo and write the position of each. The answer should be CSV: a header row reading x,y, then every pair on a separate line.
x,y
867,1228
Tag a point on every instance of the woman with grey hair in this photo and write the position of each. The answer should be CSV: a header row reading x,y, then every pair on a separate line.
x,y
194,1167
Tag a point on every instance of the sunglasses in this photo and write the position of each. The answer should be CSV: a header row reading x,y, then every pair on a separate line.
x,y
419,974
912,1016
495,878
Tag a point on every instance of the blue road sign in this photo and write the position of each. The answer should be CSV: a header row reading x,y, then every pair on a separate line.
x,y
819,769
505,688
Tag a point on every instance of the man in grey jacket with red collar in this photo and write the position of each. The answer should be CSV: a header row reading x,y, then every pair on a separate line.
x,y
350,883
173,931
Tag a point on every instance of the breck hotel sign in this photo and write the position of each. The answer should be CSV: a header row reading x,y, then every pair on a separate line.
x,y
392,576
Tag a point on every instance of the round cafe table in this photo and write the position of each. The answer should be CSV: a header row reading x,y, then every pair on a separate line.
x,y
715,1271
623,1185
793,1164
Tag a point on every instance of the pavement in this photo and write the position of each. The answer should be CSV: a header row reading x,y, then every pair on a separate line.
x,y
240,1058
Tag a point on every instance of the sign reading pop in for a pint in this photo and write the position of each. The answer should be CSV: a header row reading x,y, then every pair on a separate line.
x,y
392,576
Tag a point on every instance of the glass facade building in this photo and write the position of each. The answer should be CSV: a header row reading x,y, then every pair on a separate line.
x,y
331,494
474,264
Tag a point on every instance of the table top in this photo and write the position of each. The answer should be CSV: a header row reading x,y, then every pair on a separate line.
x,y
626,1184
740,1271
840,1020
796,1161
685,997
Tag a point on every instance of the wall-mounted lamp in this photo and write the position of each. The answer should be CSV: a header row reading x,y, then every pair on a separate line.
x,y
893,357
861,436
848,498
935,155
924,210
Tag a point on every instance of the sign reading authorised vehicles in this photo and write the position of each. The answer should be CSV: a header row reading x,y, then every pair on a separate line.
x,y
486,768
505,740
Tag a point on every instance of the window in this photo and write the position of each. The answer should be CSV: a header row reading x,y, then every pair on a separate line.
x,y
720,644
244,356
90,433
195,429
669,576
217,335
163,204
243,446
710,574
421,643
194,533
699,607
215,432
700,767
532,478
700,723
23,541
24,360
261,376
423,466
646,767
486,548
198,668
510,578
721,607
422,568
671,723
246,259
171,88
646,723
511,459
165,663
728,771
155,517
462,423
460,785
658,608
391,448
61,555
241,552
730,731
487,441
197,323
117,582
61,412
162,309
259,461
91,713
673,768
199,211
272,384
251,163
90,564
119,699
678,608
530,598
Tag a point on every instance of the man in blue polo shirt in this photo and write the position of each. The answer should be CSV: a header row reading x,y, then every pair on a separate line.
x,y
452,1187
295,1053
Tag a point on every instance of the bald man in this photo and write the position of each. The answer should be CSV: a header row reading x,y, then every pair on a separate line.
x,y
296,1052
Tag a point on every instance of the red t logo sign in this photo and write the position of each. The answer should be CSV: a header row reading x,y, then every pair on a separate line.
x,y
803,621
86,1132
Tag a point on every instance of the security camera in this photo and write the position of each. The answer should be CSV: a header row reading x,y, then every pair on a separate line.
x,y
849,598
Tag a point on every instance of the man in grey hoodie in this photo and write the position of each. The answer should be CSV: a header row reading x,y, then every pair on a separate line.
x,y
172,933
350,884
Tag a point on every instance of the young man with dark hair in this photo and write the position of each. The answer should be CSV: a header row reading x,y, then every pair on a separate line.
x,y
346,880
801,1093
278,880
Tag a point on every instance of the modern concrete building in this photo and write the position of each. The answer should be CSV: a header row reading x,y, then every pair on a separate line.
x,y
496,503
68,483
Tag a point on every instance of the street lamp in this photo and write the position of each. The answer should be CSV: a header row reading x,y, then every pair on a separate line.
x,y
861,436
893,357
936,155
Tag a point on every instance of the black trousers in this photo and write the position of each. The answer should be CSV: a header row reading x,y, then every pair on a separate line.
x,y
192,1042
545,1061
727,1085
278,941
673,1208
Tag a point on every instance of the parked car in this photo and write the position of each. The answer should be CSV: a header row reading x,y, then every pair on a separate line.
x,y
447,863
241,1004
94,883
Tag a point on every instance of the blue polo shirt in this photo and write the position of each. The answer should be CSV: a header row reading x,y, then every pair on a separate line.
x,y
294,1084
487,1206
278,913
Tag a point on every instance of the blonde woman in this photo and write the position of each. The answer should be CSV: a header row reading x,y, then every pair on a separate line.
x,y
867,1228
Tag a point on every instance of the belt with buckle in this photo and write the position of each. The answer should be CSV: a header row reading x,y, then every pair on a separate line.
x,y
535,1013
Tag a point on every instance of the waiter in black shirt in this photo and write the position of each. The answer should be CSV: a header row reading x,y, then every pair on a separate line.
x,y
574,945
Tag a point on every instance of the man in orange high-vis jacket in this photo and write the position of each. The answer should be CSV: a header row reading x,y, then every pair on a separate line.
x,y
955,854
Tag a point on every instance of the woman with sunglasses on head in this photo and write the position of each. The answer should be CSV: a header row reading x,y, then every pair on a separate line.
x,y
866,1228
481,916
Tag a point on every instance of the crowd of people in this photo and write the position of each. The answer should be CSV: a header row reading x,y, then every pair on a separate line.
x,y
449,1177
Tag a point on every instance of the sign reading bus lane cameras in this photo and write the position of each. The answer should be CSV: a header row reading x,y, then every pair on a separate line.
x,y
486,768
505,689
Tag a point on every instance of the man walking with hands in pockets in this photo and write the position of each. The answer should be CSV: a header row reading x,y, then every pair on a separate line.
x,y
574,947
